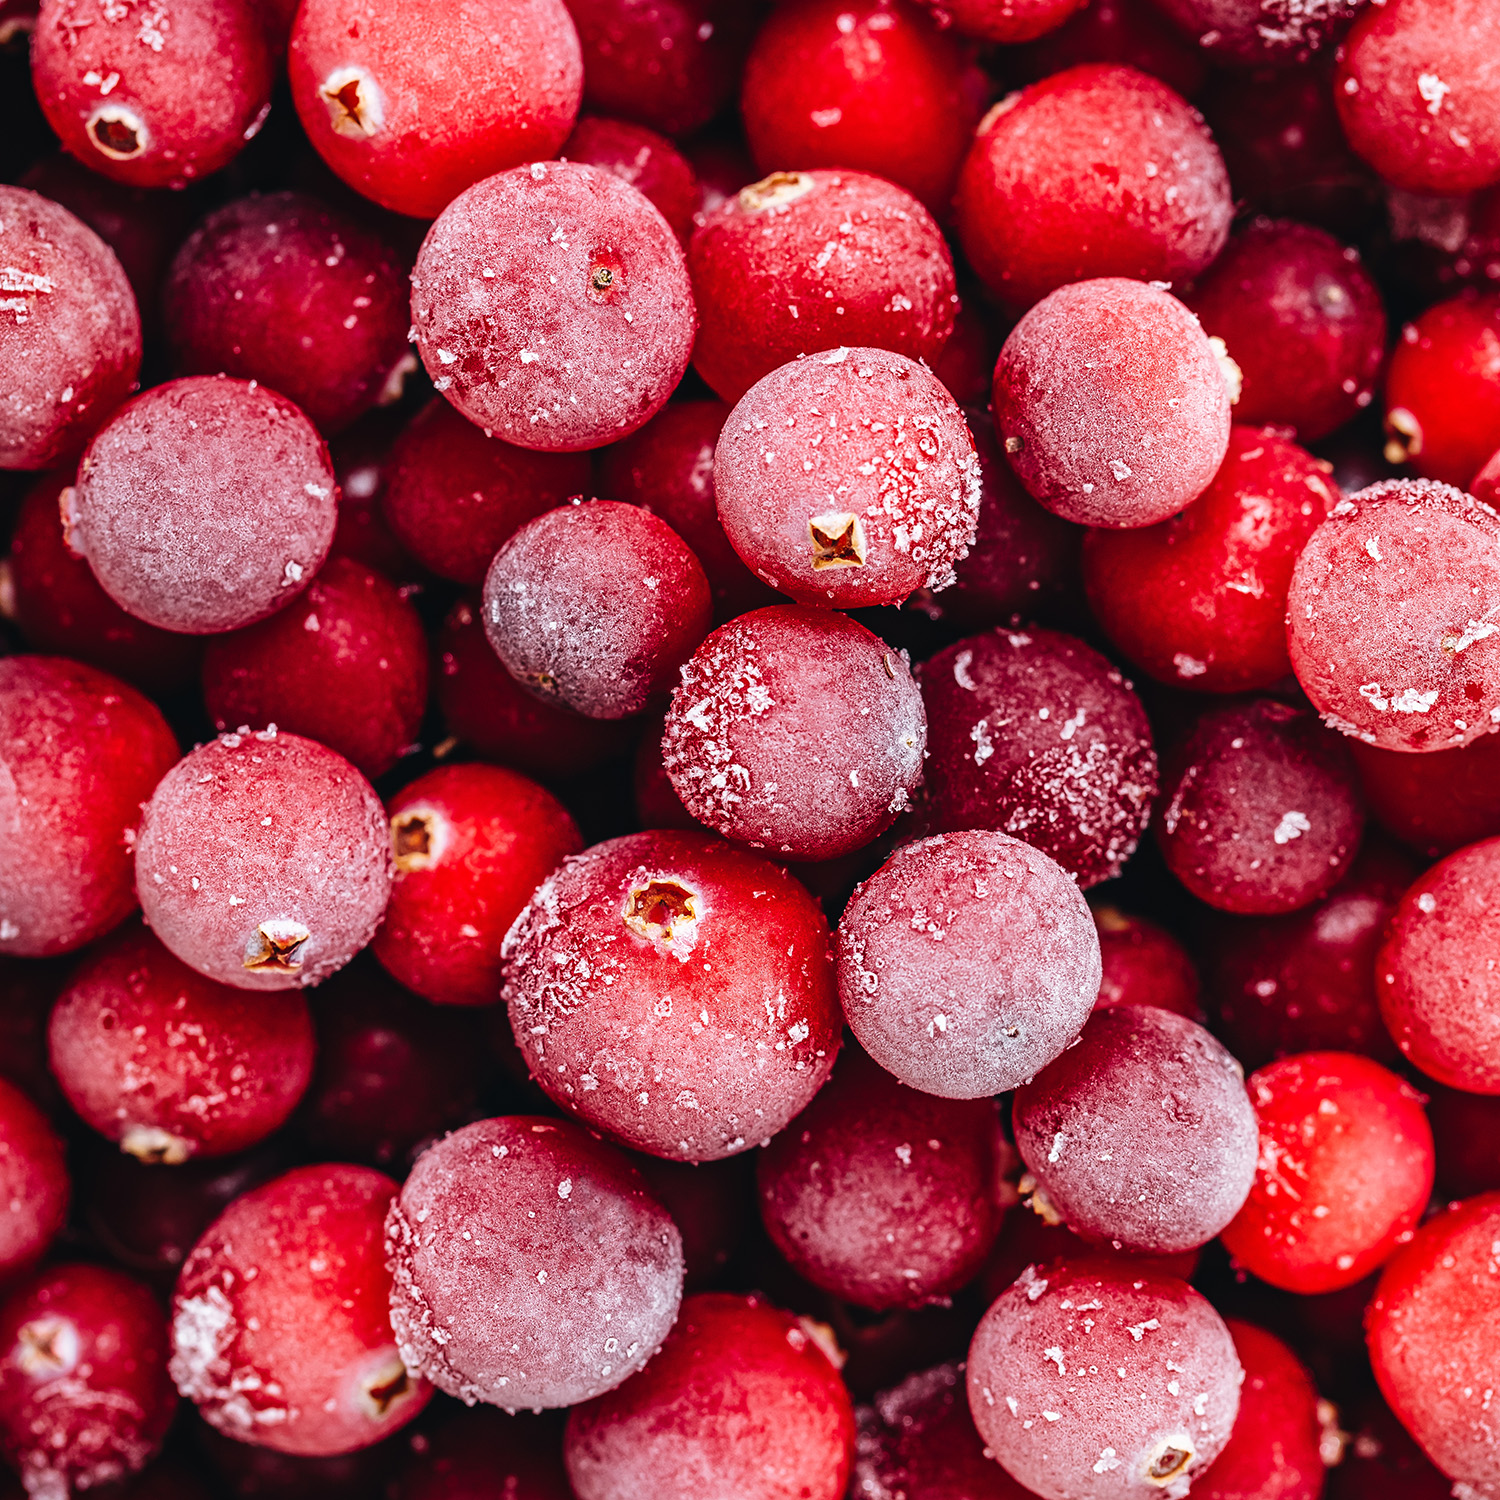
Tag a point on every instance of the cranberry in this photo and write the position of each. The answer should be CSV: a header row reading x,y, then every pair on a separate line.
x,y
73,357
27,989
298,296
806,261
596,607
848,479
84,1394
1438,802
552,306
1035,734
360,456
472,843
1002,20
1382,1460
1143,964
1111,403
1119,31
873,85
795,730
500,1290
303,1252
34,1184
411,103
711,1015
1242,33
741,1401
80,753
711,1204
644,159
204,505
264,861
968,357
187,86
1260,812
1199,600
1388,617
966,963
481,1453
1043,201
1056,1341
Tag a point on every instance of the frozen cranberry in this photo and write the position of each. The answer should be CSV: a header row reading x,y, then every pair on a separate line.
x,y
1143,964
204,505
168,1063
34,1183
873,85
346,665
595,607
264,861
1112,404
1099,170
1303,321
723,165
472,843
294,294
1142,1134
795,730
711,1015
657,804
61,609
711,1204
882,1195
1438,802
280,1331
80,753
671,64
1417,96
1276,1449
966,963
1199,601
531,1266
644,159
968,357
412,102
1049,1401
73,357
1431,1332
1117,31
742,1403
1466,1137
188,85
1442,392
1306,982
1244,33
480,1453
1002,20
848,479
84,1394
1436,976
807,261
1034,733
552,306
360,455
668,466
1388,617
486,707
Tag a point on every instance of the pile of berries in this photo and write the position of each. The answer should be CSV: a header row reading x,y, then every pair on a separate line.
x,y
750,749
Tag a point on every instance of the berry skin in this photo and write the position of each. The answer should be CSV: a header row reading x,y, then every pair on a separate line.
x,y
644,159
1144,964
1345,1172
34,1185
472,842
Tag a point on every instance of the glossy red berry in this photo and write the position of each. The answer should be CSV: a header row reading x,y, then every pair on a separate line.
x,y
34,1183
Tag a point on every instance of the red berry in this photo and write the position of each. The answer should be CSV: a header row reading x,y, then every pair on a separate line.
x,y
741,1403
1035,734
80,753
1099,170
72,357
34,1184
1143,964
711,1204
280,1329
1438,802
807,261
296,295
711,1016
84,1393
647,161
412,102
1002,20
873,85
188,85
1119,31
532,1267
966,963
345,665
596,607
552,306
1242,33
204,505
169,1064
1199,600
472,843
1111,404
795,730
264,861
